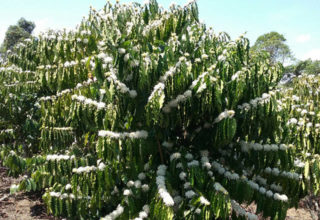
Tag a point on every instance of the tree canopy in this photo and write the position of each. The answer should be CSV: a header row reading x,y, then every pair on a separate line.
x,y
305,66
274,44
16,33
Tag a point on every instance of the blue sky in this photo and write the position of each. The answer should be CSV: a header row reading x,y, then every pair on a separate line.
x,y
298,20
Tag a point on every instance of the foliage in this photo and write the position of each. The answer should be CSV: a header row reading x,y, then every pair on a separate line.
x,y
274,44
16,33
147,113
307,66
299,107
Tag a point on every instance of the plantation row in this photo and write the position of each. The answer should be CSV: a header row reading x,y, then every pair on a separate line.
x,y
145,113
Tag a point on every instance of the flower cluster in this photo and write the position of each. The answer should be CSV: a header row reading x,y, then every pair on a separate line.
x,y
59,157
223,171
242,212
67,196
116,135
86,169
167,144
59,128
88,101
275,171
268,193
68,91
175,102
224,115
160,180
111,77
20,83
144,213
8,131
156,90
114,214
16,70
265,98
246,146
263,181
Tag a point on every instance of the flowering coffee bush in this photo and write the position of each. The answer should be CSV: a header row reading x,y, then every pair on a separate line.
x,y
145,113
298,106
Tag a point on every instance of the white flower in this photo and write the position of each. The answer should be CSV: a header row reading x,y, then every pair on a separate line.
x,y
133,93
146,208
275,171
189,194
143,215
197,60
126,57
68,186
268,170
167,199
182,175
102,91
127,192
175,156
204,201
218,187
122,50
304,112
188,156
107,60
137,184
193,163
146,167
198,211
269,193
283,147
262,190
145,188
204,56
221,58
141,176
101,105
187,185
236,75
293,121
167,144
130,183
279,197
101,166
14,188
179,165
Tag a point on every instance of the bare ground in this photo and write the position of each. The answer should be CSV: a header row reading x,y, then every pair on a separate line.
x,y
29,206
24,206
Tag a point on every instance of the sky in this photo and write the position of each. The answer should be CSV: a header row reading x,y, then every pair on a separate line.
x,y
297,20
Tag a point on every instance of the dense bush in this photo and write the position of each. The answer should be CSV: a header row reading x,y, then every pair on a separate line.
x,y
147,113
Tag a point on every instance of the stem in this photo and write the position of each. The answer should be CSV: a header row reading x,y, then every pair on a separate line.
x,y
160,151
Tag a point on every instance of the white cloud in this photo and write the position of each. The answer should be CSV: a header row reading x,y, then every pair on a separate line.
x,y
313,54
303,38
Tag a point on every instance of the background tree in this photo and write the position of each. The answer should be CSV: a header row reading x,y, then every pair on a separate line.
x,y
274,44
305,66
16,33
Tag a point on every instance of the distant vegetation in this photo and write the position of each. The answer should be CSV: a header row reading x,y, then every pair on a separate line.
x,y
17,33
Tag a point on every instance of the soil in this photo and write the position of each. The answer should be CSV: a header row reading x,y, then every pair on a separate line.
x,y
21,206
29,206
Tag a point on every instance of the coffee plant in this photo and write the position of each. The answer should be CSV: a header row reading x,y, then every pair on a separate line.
x,y
146,113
